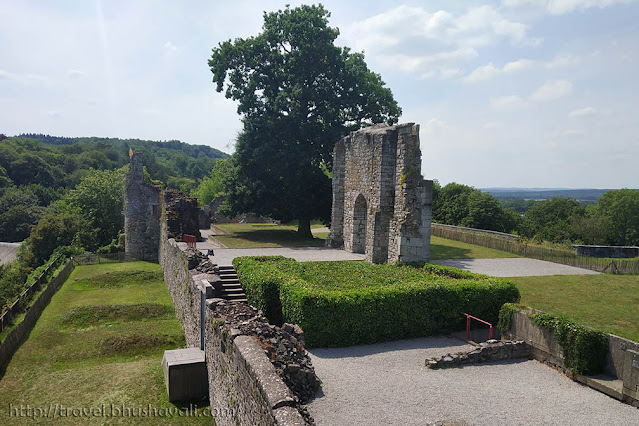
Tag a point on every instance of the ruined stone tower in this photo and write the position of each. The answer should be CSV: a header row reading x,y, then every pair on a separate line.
x,y
141,214
381,202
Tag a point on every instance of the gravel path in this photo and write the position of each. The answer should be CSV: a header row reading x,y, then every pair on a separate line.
x,y
8,252
514,267
388,384
302,254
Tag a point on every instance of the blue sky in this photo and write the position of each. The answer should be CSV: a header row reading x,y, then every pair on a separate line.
x,y
528,93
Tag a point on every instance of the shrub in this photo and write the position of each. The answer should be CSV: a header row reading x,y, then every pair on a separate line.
x,y
348,303
584,349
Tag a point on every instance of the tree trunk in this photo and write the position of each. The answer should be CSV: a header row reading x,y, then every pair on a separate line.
x,y
304,228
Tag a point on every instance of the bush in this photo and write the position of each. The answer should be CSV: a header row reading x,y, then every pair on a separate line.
x,y
584,349
348,303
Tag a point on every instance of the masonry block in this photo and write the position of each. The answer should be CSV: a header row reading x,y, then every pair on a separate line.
x,y
185,374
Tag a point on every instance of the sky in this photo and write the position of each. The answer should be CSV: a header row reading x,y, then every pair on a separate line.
x,y
510,93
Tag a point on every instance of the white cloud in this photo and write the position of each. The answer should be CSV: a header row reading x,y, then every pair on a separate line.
x,y
170,47
504,102
583,112
552,90
560,7
434,126
572,132
22,79
490,71
411,38
493,125
53,113
562,60
75,74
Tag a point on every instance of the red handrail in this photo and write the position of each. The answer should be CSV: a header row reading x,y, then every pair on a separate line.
x,y
190,240
468,317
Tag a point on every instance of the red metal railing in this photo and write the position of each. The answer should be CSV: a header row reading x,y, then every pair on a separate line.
x,y
190,240
468,317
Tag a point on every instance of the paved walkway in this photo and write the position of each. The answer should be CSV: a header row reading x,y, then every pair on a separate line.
x,y
388,384
302,254
514,267
503,267
8,252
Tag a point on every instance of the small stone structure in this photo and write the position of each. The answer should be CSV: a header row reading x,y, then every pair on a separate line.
x,y
381,202
606,251
491,350
185,374
141,214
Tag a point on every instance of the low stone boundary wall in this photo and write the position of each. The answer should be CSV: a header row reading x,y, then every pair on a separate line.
x,y
246,386
16,336
491,350
622,360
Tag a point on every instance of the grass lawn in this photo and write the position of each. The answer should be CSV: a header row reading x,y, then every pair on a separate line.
x,y
442,248
250,235
606,302
100,341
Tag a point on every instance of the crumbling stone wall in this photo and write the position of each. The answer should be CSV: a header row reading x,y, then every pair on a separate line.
x,y
381,203
141,214
258,373
182,215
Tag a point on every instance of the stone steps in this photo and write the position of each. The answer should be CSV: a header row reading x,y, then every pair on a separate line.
x,y
229,287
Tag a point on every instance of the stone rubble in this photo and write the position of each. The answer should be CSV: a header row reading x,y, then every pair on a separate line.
x,y
491,350
284,345
199,261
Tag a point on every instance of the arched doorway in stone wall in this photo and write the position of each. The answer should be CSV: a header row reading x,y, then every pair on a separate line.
x,y
359,224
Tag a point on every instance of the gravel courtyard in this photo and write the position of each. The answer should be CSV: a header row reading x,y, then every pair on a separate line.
x,y
388,384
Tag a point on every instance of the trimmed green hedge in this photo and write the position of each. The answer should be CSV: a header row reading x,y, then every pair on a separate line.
x,y
349,303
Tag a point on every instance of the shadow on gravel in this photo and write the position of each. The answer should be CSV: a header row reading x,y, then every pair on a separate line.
x,y
394,346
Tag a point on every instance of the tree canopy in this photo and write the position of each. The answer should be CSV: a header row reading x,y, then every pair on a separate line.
x,y
298,94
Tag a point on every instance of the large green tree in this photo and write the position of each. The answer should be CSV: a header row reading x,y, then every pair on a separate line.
x,y
619,209
463,205
98,200
552,220
297,93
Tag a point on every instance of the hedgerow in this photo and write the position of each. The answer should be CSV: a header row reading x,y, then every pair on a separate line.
x,y
348,303
584,349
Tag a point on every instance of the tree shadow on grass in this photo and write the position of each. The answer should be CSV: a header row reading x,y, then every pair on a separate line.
x,y
283,237
440,252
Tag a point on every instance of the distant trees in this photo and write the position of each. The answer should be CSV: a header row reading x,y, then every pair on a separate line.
x,y
619,211
298,93
214,184
42,168
613,220
462,205
551,220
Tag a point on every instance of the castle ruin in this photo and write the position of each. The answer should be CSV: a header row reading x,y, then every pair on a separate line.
x,y
381,202
141,213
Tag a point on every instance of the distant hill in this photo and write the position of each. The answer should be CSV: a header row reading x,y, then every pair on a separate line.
x,y
546,193
194,151
36,170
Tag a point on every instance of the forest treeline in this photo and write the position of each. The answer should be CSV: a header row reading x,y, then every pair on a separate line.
x,y
36,170
65,194
612,220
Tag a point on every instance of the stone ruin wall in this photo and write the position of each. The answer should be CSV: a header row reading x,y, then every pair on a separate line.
x,y
141,214
381,203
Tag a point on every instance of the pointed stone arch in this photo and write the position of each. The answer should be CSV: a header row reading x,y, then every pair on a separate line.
x,y
360,219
